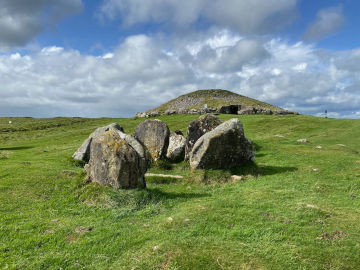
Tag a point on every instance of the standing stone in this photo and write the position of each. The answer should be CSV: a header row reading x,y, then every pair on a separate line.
x,y
197,128
83,153
224,147
176,149
144,156
154,135
114,162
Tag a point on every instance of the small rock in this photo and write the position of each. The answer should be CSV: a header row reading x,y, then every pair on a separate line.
x,y
279,136
302,140
170,219
156,248
343,145
315,169
318,147
186,220
236,177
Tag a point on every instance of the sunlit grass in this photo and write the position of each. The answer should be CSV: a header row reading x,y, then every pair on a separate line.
x,y
297,207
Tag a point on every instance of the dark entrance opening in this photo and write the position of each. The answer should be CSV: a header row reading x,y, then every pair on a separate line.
x,y
231,109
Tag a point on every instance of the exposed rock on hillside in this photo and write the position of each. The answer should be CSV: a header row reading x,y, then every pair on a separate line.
x,y
154,135
224,147
213,101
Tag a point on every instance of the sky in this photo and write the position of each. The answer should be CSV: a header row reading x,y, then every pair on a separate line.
x,y
114,58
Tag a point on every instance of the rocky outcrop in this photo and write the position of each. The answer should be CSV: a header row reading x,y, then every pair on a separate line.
x,y
198,128
147,114
83,153
114,162
176,149
154,135
224,147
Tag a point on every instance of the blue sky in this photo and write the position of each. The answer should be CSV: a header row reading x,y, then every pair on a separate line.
x,y
117,57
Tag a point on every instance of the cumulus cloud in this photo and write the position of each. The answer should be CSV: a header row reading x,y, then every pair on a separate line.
x,y
245,16
22,20
145,71
328,21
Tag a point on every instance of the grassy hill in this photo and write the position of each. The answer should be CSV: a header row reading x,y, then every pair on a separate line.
x,y
215,98
297,207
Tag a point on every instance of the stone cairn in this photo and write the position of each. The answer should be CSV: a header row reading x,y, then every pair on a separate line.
x,y
120,160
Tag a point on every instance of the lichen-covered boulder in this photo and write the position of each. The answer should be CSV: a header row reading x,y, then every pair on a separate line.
x,y
154,135
114,162
176,149
83,153
224,147
140,149
197,128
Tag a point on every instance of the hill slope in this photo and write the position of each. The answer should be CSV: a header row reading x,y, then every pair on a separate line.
x,y
215,98
297,207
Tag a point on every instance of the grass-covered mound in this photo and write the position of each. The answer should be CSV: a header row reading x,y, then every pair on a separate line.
x,y
215,98
297,207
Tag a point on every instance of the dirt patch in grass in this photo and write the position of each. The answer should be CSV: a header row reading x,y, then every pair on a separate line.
x,y
335,236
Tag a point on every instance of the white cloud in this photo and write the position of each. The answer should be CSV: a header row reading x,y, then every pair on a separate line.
x,y
143,72
300,67
328,21
22,20
245,16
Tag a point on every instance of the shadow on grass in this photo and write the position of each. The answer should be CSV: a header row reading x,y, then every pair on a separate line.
x,y
16,148
259,170
161,180
163,195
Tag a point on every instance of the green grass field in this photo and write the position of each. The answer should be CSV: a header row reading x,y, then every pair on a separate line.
x,y
297,207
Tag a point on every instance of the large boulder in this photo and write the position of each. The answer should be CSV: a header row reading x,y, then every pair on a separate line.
x,y
83,153
144,156
198,128
114,162
154,135
176,149
224,147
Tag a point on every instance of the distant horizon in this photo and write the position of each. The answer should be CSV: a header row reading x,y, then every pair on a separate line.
x,y
109,57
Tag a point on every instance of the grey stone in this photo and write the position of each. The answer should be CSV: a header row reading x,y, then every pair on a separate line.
x,y
224,147
247,110
197,128
114,162
83,153
176,149
144,156
154,135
